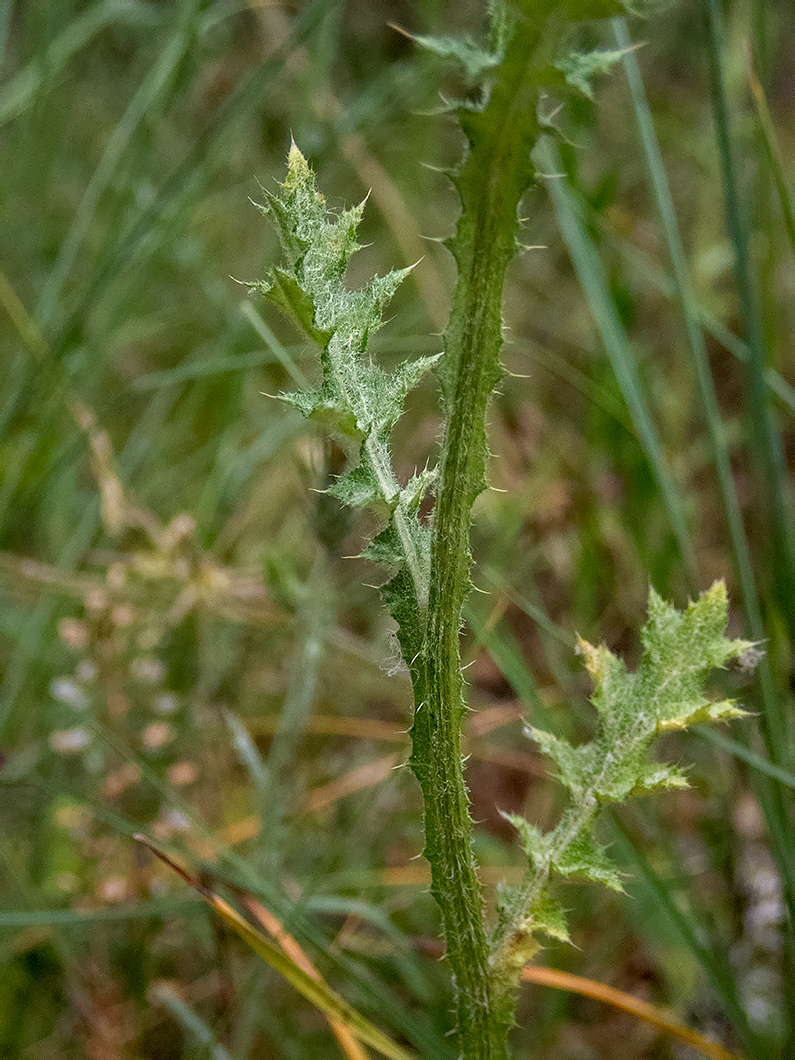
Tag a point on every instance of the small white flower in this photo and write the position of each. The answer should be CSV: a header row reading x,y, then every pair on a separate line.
x,y
66,690
86,670
157,735
73,633
167,703
122,615
176,821
113,889
181,773
759,1009
169,822
148,669
70,741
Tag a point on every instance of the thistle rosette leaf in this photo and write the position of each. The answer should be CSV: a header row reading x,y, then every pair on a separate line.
x,y
666,692
356,398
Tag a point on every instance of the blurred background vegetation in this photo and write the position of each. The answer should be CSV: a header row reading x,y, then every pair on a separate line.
x,y
188,649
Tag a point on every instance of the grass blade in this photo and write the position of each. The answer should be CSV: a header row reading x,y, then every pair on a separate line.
x,y
593,279
692,936
773,153
20,92
762,428
154,85
316,991
751,757
189,1021
640,1009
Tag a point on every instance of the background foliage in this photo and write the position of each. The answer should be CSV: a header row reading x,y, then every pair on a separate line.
x,y
185,653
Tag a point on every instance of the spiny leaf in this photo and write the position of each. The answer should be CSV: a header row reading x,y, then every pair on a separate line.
x,y
549,917
288,296
359,488
576,765
356,399
542,914
474,59
580,67
339,420
581,855
534,843
584,856
680,649
417,487
666,692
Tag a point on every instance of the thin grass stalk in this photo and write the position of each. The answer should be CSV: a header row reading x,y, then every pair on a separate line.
x,y
772,721
772,152
591,274
155,85
707,321
665,206
315,618
757,763
769,454
764,432
693,936
138,238
190,1021
642,1010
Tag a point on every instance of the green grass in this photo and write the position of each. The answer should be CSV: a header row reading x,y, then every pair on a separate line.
x,y
641,438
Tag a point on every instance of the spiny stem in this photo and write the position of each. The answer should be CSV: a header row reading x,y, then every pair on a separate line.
x,y
491,182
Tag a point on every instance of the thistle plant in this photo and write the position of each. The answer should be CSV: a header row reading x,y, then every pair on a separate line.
x,y
429,558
